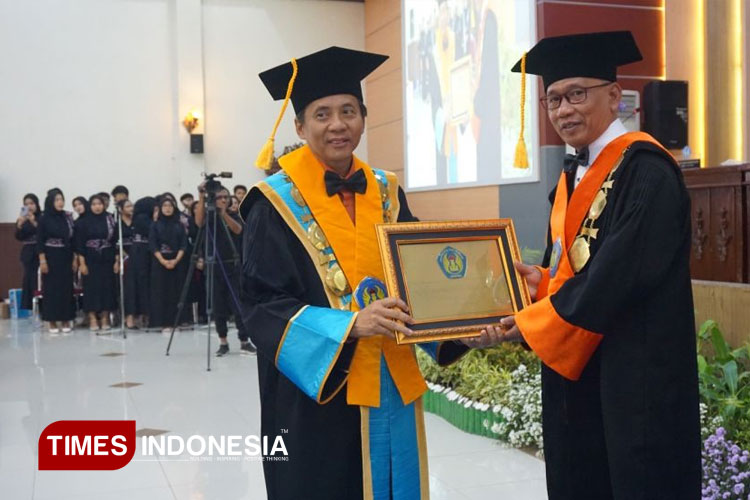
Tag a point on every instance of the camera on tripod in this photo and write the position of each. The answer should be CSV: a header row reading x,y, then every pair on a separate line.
x,y
212,185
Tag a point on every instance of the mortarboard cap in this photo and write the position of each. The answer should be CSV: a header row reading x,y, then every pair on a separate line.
x,y
589,55
331,71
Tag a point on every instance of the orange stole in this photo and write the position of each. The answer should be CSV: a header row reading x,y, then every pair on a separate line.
x,y
567,216
357,252
563,346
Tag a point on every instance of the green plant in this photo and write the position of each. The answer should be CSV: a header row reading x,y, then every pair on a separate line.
x,y
482,375
724,379
505,379
532,255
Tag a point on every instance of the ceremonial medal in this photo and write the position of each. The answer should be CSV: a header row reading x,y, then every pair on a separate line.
x,y
297,196
368,291
316,236
383,189
554,261
452,262
336,281
579,253
597,206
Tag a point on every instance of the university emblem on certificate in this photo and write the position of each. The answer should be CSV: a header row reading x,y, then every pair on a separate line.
x,y
368,291
452,262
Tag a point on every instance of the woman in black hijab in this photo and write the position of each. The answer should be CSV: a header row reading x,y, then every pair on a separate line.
x,y
126,209
167,242
139,259
56,261
80,206
95,238
26,229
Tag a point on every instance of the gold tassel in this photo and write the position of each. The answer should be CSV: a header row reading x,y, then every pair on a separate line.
x,y
265,157
522,157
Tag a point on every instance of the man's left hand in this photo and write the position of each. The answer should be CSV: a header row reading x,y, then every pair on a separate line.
x,y
493,335
512,333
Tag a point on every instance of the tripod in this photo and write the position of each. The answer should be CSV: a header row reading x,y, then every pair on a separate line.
x,y
205,236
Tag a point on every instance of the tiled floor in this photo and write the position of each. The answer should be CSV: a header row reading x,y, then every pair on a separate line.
x,y
45,378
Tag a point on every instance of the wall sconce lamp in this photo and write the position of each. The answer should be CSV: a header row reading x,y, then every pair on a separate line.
x,y
191,122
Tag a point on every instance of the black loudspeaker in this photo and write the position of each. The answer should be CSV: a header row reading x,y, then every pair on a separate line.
x,y
196,143
665,110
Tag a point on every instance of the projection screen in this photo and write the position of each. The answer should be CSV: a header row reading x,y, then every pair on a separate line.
x,y
461,102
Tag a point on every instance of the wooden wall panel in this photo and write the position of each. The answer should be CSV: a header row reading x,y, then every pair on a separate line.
x,y
456,204
386,40
379,13
726,303
627,3
384,104
721,97
387,146
647,26
11,272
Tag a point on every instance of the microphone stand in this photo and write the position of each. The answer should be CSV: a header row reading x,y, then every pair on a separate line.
x,y
121,273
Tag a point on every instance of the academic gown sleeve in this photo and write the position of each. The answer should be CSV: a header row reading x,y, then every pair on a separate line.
x,y
283,300
444,353
647,228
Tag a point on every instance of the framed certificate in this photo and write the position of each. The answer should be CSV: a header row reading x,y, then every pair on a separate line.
x,y
456,277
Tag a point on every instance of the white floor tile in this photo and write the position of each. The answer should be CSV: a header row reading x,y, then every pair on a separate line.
x,y
535,489
140,494
47,378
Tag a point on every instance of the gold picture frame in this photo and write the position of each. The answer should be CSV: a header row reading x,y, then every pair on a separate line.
x,y
455,276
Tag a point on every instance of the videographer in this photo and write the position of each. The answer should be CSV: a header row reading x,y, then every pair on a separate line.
x,y
226,273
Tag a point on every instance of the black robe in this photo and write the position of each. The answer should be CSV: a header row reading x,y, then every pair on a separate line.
x,y
323,440
138,267
130,291
628,429
55,240
95,236
27,235
168,237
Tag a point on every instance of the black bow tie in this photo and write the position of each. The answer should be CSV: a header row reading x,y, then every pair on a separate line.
x,y
356,183
572,161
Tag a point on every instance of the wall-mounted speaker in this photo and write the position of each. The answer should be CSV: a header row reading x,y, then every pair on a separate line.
x,y
665,112
196,143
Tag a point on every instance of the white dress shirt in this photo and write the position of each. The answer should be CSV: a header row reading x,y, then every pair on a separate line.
x,y
615,130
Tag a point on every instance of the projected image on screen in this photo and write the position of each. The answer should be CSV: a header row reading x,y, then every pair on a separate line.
x,y
462,103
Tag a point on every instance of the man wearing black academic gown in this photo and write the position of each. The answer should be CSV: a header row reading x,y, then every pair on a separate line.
x,y
613,318
334,384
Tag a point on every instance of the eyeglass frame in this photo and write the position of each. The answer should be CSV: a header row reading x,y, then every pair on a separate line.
x,y
544,101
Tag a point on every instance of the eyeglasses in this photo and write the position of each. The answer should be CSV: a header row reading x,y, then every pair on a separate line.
x,y
222,197
573,96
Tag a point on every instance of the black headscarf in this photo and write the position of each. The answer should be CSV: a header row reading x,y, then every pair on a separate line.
x,y
85,202
92,227
90,213
49,202
168,229
54,223
35,199
175,217
143,212
91,201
